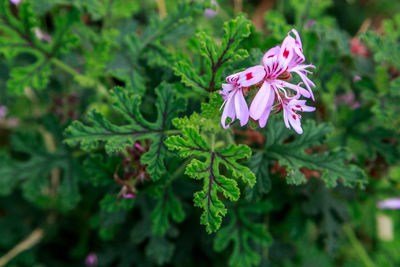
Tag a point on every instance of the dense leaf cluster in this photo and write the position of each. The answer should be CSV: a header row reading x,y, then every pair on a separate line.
x,y
111,142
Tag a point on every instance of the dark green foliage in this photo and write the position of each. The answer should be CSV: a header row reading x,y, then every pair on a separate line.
x,y
240,230
132,88
37,171
21,37
167,206
216,56
292,155
118,137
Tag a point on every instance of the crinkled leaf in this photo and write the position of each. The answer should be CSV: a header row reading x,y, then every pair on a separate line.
x,y
192,143
118,137
259,165
332,164
240,230
216,56
167,206
35,172
18,37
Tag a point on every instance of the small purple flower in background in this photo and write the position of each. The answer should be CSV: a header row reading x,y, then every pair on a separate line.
x,y
15,2
310,24
210,12
41,35
356,78
272,78
348,99
3,112
7,122
390,203
91,260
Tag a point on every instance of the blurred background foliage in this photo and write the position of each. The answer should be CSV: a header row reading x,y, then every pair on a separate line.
x,y
59,58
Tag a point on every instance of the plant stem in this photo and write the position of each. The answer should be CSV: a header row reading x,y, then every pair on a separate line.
x,y
162,10
64,67
31,240
172,131
357,246
212,142
80,78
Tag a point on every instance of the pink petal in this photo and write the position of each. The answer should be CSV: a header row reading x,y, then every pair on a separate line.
x,y
229,112
285,117
300,105
270,58
251,76
260,101
286,54
264,118
295,122
307,83
242,111
298,48
298,88
232,79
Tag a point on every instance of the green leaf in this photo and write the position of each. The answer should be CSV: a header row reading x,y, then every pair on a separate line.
x,y
240,230
34,173
117,137
330,211
385,47
192,143
101,171
111,204
18,37
258,164
167,206
216,56
292,155
127,65
160,250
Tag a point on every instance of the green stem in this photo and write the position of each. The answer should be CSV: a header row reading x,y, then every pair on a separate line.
x,y
64,67
357,246
212,142
172,132
81,79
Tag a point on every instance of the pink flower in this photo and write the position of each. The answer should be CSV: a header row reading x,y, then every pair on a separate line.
x,y
15,2
290,115
273,81
279,62
233,94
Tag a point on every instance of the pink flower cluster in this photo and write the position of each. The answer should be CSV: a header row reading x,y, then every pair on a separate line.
x,y
272,78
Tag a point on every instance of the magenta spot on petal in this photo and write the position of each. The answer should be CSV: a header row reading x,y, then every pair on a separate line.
x,y
270,56
129,195
294,116
298,106
249,76
285,53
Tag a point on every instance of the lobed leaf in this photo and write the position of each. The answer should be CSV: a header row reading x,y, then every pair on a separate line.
x,y
117,137
192,143
332,164
240,230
